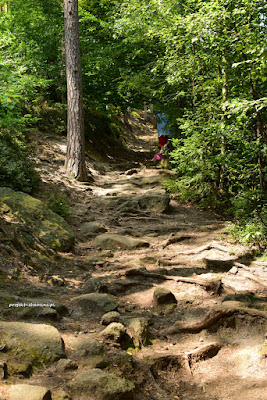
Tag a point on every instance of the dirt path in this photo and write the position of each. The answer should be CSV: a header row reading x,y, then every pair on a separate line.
x,y
130,240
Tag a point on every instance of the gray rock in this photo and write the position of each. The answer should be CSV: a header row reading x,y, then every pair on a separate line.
x,y
163,297
95,302
90,228
96,285
137,328
88,346
103,385
66,365
38,343
114,332
108,318
40,221
156,201
29,392
113,242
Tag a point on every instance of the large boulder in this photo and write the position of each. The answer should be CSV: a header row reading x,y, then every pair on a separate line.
x,y
102,385
95,303
29,392
38,343
25,210
113,242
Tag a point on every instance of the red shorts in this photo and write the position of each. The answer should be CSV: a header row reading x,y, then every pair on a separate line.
x,y
163,140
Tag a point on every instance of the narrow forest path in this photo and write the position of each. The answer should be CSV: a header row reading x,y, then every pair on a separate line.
x,y
204,342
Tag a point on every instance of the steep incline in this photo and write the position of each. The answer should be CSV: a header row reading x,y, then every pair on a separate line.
x,y
187,315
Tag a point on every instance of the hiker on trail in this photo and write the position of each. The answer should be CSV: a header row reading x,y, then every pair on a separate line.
x,y
161,121
163,132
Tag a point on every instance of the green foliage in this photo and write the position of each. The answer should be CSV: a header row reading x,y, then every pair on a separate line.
x,y
52,117
252,232
16,169
115,130
59,204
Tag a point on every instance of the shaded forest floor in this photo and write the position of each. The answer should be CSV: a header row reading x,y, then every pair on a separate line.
x,y
211,345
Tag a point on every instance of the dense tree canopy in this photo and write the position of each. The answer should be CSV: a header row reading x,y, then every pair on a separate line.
x,y
203,62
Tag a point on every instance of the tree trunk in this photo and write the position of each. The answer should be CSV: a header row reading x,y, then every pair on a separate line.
x,y
75,157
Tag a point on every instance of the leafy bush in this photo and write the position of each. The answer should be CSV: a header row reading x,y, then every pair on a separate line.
x,y
59,204
252,232
16,169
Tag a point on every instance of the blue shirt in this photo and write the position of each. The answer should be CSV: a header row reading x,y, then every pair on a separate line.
x,y
162,120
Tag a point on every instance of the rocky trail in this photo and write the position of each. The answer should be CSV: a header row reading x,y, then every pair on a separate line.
x,y
148,300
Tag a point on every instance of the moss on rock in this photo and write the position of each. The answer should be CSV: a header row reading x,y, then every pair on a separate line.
x,y
49,227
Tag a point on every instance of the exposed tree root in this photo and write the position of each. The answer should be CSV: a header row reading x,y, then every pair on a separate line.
x,y
208,246
214,284
211,318
175,239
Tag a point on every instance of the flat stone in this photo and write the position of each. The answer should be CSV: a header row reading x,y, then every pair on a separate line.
x,y
102,385
29,392
37,343
95,302
113,242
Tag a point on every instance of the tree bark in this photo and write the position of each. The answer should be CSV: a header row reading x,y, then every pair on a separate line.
x,y
75,157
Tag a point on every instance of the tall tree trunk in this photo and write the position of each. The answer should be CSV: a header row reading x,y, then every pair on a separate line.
x,y
75,158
